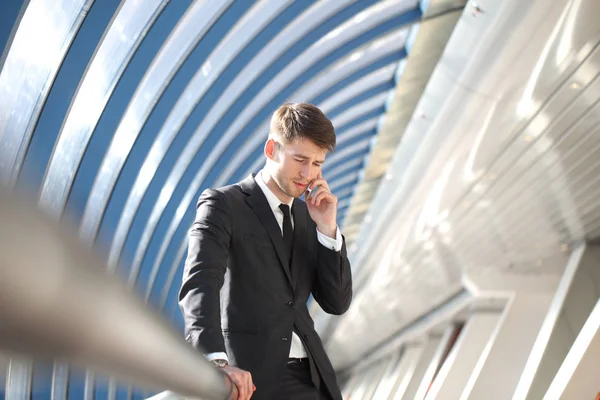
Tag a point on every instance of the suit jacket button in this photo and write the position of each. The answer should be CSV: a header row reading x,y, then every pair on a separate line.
x,y
291,304
305,337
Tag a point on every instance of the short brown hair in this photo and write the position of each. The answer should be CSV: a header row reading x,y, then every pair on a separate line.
x,y
303,120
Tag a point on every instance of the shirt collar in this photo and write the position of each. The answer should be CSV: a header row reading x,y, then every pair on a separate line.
x,y
274,202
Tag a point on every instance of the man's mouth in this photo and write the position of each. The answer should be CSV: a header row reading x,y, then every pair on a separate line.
x,y
301,185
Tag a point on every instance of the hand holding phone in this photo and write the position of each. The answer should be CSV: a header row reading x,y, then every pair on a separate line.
x,y
310,190
322,205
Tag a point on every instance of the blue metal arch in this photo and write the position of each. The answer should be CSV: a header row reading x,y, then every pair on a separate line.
x,y
64,87
124,184
169,210
165,168
9,18
182,229
159,114
383,88
182,232
335,88
107,125
164,289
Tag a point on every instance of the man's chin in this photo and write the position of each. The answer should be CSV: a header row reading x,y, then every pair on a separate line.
x,y
296,193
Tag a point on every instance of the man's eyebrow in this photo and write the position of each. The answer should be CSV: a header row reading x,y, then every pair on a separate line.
x,y
307,158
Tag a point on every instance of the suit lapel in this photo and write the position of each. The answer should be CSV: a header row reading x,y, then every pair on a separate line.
x,y
259,204
300,214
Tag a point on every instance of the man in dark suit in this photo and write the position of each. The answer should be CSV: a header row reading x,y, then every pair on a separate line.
x,y
256,252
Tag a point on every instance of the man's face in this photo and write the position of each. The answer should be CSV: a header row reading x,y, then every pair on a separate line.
x,y
295,164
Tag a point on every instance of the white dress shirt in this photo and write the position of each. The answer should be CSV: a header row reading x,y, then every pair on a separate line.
x,y
297,348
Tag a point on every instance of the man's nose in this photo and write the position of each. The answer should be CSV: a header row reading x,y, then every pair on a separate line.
x,y
305,171
312,172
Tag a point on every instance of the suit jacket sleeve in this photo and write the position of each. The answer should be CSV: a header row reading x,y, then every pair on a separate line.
x,y
204,273
332,288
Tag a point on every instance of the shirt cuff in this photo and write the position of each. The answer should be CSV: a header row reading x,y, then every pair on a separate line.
x,y
217,356
330,243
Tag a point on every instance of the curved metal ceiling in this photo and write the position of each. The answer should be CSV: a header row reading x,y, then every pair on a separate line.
x,y
496,178
117,114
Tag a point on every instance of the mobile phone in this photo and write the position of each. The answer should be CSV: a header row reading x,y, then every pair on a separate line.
x,y
309,190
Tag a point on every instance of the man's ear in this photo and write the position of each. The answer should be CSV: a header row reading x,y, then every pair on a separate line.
x,y
270,149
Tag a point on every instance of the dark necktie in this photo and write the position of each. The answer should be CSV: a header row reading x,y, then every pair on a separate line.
x,y
288,232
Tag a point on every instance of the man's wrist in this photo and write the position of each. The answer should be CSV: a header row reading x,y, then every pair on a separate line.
x,y
328,231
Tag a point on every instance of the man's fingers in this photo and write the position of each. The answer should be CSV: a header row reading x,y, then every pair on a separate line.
x,y
243,381
320,195
242,386
320,189
319,182
327,197
248,384
232,387
235,393
231,391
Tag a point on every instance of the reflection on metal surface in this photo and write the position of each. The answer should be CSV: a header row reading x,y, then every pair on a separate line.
x,y
18,378
359,146
348,178
469,171
531,183
38,48
59,302
430,215
188,33
358,110
528,105
378,77
425,44
343,168
356,131
127,30
344,192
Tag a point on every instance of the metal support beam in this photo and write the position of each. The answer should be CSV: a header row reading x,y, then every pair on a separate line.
x,y
365,378
402,373
578,375
500,366
379,372
18,379
573,301
460,363
427,366
350,385
387,377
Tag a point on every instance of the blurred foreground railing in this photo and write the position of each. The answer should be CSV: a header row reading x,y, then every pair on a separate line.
x,y
58,302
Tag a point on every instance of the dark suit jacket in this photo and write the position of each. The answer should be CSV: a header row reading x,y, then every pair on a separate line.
x,y
240,296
